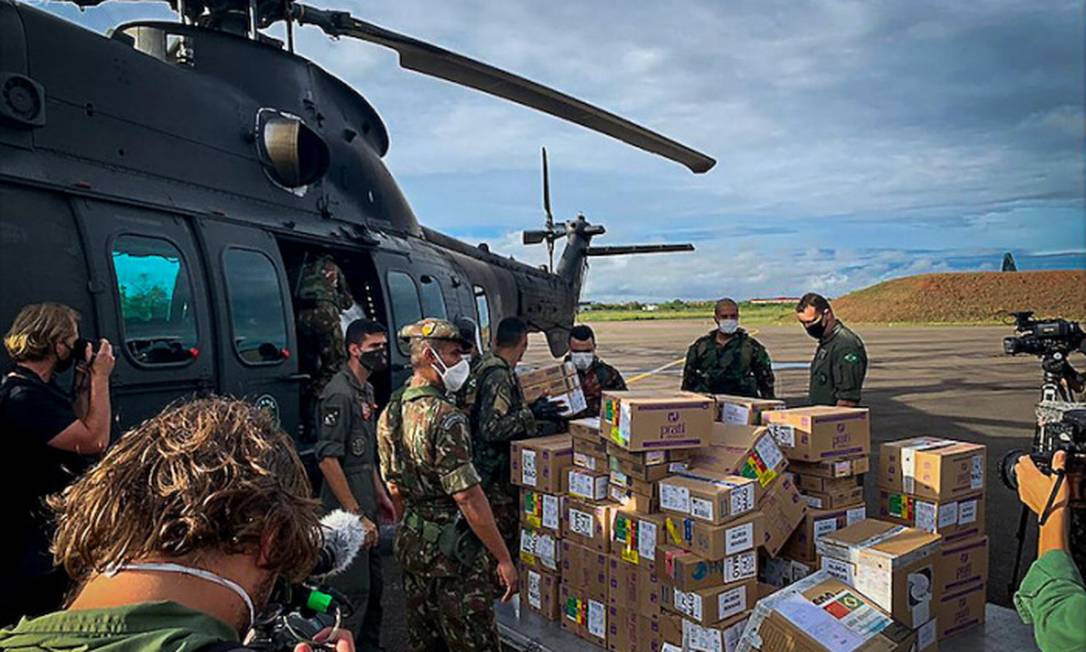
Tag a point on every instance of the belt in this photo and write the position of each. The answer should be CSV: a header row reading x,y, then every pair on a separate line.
x,y
429,530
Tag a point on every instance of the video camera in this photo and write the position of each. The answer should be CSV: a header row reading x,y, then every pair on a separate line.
x,y
1067,434
1042,337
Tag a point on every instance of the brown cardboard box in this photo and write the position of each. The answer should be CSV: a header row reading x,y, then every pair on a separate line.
x,y
653,420
720,541
633,501
817,484
832,468
634,537
588,523
742,410
779,572
671,632
621,629
587,484
748,451
835,498
540,463
649,458
929,467
961,610
956,520
814,434
593,463
711,605
713,500
818,522
633,587
540,593
636,485
585,569
821,613
541,511
583,615
927,639
722,636
892,564
649,636
636,471
539,550
961,564
546,373
587,429
689,572
783,509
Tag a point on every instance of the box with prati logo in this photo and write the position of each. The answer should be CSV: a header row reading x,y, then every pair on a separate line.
x,y
814,434
653,420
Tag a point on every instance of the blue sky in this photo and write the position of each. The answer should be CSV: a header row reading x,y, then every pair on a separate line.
x,y
856,141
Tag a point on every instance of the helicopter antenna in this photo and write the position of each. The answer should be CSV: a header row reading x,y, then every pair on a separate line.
x,y
547,210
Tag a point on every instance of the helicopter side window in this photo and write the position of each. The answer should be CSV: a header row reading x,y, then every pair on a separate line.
x,y
433,301
482,306
155,294
257,313
406,308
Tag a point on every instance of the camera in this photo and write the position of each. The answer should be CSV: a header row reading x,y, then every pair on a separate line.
x,y
1042,337
1066,434
295,614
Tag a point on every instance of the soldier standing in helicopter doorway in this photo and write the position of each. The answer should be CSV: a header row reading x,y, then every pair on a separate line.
x,y
321,294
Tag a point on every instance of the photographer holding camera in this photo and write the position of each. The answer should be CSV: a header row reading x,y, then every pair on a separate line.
x,y
177,538
48,434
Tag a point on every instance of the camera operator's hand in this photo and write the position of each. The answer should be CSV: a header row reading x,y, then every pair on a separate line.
x,y
342,638
507,573
1034,486
373,535
103,363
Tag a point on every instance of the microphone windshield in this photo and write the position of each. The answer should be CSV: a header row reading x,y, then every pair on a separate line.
x,y
343,537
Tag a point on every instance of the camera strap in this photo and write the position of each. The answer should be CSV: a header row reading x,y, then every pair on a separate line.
x,y
208,576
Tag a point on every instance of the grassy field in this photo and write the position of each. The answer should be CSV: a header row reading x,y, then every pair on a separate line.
x,y
749,313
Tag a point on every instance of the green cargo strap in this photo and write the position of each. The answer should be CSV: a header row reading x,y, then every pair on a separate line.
x,y
429,530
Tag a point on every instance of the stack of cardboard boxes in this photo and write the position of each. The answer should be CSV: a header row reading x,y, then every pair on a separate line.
x,y
558,382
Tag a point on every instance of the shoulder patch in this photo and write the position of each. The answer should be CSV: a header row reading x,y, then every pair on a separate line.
x,y
452,420
330,417
852,357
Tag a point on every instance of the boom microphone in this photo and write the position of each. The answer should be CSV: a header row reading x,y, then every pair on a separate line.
x,y
343,537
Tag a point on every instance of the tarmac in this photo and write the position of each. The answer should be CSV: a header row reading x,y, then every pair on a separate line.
x,y
952,382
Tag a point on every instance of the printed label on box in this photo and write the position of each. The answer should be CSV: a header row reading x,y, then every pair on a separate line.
x,y
740,567
925,635
646,539
812,501
675,498
855,515
550,512
701,508
967,512
784,434
824,527
620,478
742,499
925,516
769,452
738,539
976,474
732,602
735,414
677,467
584,485
688,603
701,639
528,474
545,551
948,515
582,523
920,585
597,619
841,468
668,647
527,546
584,461
535,598
842,570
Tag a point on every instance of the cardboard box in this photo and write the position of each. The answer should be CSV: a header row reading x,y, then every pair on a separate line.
x,y
720,541
593,463
559,382
742,410
588,523
540,593
961,610
545,374
636,485
821,613
817,523
641,421
671,632
814,434
649,458
930,467
961,564
586,429
712,500
633,501
722,636
954,519
583,616
832,499
818,484
689,572
892,564
633,587
711,605
541,511
585,569
540,463
927,638
634,537
832,468
779,572
748,451
783,509
587,484
539,550
624,469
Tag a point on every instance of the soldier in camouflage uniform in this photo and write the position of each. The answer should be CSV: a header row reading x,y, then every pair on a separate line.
x,y
840,362
728,360
596,375
465,398
426,461
321,294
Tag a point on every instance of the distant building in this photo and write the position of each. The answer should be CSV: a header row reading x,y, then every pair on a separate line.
x,y
774,300
652,307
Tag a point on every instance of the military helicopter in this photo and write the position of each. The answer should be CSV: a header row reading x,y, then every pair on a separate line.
x,y
169,180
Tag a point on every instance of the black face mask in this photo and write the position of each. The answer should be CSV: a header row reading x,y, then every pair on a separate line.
x,y
817,329
375,360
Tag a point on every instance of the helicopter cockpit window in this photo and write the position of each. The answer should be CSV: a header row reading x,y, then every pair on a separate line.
x,y
433,301
257,314
156,300
406,308
482,306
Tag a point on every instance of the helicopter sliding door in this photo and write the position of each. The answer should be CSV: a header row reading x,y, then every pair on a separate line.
x,y
250,294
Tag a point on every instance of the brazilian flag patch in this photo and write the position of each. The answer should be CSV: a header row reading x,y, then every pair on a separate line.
x,y
852,357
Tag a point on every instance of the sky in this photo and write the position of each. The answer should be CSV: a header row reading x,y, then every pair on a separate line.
x,y
856,141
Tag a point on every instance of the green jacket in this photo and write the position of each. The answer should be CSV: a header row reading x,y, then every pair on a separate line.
x,y
143,627
499,416
1053,598
741,367
838,368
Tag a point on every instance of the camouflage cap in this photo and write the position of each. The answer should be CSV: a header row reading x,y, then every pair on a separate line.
x,y
432,329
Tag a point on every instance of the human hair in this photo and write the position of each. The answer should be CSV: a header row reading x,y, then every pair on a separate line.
x,y
419,345
582,333
208,476
820,303
360,329
511,331
726,301
37,329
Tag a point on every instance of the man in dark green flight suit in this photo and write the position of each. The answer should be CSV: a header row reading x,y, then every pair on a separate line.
x,y
840,362
321,294
728,360
347,452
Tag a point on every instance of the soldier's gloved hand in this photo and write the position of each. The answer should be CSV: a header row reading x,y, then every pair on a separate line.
x,y
544,409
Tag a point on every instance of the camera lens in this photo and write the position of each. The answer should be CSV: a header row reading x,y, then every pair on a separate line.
x,y
1006,468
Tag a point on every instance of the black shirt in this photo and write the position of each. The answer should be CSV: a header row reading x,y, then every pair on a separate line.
x,y
32,412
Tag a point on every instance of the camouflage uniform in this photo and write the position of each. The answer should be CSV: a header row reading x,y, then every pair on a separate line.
x,y
465,398
838,368
425,450
597,379
741,367
321,350
498,417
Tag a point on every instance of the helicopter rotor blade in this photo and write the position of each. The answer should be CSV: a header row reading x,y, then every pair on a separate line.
x,y
625,250
534,237
435,61
547,192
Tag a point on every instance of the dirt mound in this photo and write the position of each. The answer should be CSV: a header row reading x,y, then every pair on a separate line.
x,y
968,297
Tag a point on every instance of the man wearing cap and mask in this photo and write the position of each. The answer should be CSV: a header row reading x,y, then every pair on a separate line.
x,y
346,449
447,526
728,360
596,376
840,361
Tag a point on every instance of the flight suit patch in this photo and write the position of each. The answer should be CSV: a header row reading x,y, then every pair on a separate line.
x,y
358,446
331,417
852,357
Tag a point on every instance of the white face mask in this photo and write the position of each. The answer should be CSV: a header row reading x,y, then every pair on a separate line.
x,y
728,326
452,377
582,359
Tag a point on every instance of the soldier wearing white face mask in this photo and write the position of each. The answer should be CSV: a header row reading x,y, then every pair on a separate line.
x,y
728,360
596,375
